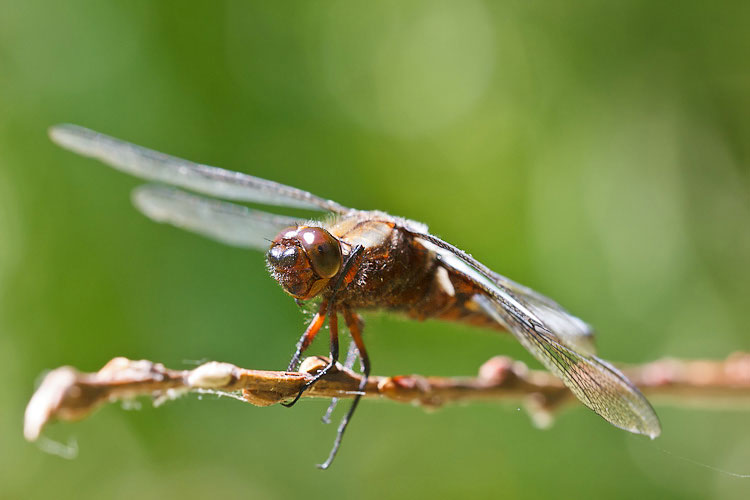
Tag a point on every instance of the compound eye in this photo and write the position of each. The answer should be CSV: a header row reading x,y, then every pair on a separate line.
x,y
282,257
322,249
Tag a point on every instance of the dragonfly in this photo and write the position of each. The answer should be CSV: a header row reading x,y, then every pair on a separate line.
x,y
351,260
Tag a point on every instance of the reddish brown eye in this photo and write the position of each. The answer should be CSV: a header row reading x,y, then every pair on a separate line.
x,y
322,249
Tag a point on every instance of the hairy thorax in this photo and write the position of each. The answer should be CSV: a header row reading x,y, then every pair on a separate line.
x,y
396,272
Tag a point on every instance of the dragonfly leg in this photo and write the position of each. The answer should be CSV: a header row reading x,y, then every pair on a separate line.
x,y
351,356
354,323
332,324
306,339
333,327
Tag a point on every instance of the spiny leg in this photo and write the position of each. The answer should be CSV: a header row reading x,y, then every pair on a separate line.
x,y
351,259
351,357
306,339
333,327
354,323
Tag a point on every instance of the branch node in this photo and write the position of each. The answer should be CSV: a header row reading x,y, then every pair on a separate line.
x,y
410,389
499,370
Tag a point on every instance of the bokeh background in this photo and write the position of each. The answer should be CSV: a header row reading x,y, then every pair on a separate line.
x,y
598,153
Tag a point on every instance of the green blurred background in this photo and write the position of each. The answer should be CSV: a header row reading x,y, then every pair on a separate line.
x,y
596,153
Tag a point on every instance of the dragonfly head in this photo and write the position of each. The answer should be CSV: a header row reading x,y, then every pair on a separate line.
x,y
303,259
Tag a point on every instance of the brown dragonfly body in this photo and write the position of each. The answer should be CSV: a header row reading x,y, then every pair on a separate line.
x,y
395,272
356,260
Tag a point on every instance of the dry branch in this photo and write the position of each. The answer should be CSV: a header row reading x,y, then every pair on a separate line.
x,y
67,394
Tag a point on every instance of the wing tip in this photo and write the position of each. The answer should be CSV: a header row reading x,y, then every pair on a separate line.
x,y
145,198
69,136
647,425
651,429
655,431
58,133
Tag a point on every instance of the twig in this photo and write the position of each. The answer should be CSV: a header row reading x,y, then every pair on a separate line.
x,y
67,394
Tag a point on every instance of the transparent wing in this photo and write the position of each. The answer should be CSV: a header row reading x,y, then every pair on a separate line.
x,y
155,166
598,385
572,331
219,220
